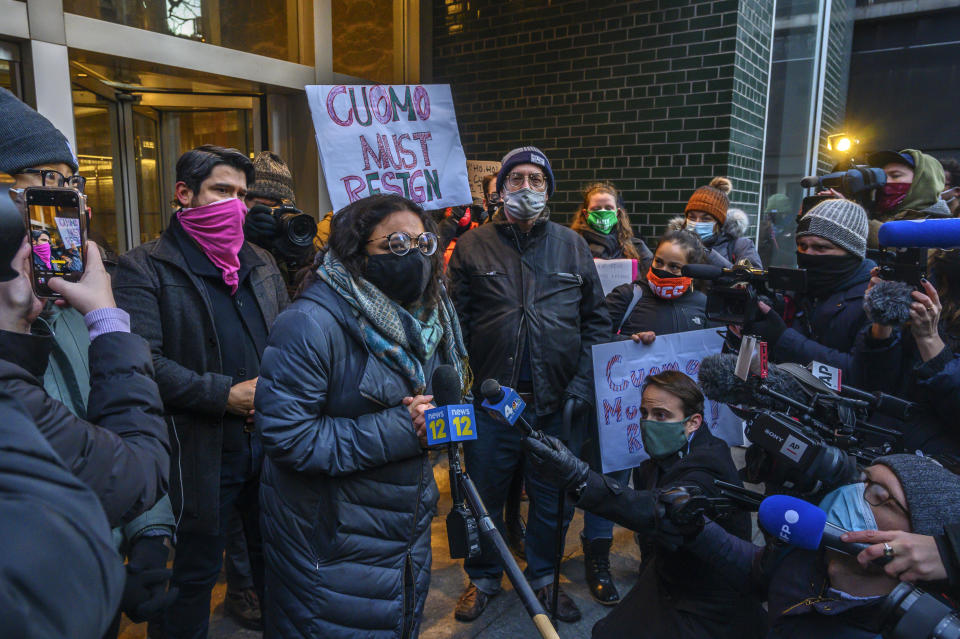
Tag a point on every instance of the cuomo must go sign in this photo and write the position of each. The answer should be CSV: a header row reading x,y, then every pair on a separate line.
x,y
400,139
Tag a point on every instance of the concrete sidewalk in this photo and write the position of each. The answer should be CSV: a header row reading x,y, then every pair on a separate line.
x,y
505,616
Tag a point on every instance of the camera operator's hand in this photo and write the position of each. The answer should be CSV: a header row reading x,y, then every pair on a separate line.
x,y
925,320
769,327
645,337
260,226
554,463
832,193
240,399
93,291
145,594
417,406
915,557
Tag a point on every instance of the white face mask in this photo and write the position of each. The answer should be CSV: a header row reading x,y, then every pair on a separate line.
x,y
703,229
524,204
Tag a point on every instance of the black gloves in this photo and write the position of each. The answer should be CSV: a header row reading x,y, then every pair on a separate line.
x,y
260,226
769,328
679,516
554,463
145,594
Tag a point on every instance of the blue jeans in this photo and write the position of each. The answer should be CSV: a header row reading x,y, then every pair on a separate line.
x,y
491,460
196,564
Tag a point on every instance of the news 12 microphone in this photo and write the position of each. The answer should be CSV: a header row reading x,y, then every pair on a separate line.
x,y
451,421
928,233
801,524
505,405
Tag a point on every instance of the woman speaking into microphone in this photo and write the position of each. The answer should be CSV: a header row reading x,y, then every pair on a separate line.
x,y
348,491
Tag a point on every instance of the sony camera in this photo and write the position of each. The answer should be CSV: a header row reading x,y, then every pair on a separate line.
x,y
732,298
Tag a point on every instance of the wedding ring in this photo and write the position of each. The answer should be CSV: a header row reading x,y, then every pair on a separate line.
x,y
887,550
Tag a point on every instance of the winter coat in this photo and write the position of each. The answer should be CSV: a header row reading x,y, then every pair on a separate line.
x,y
653,313
675,583
60,573
170,307
542,289
826,329
729,246
607,247
347,494
121,450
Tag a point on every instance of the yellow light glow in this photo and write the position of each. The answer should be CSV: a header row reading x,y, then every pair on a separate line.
x,y
841,143
844,144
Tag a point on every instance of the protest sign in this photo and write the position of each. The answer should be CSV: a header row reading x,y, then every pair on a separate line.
x,y
69,228
613,273
398,139
476,171
619,371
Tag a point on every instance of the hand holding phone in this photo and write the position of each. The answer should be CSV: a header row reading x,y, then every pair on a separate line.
x,y
56,219
93,291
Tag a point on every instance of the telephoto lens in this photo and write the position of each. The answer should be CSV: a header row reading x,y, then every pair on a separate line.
x,y
297,227
910,613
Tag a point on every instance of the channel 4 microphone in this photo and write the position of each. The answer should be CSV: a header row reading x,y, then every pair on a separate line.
x,y
506,406
801,524
929,233
450,421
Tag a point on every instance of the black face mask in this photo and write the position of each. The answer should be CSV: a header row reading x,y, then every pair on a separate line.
x,y
826,272
403,278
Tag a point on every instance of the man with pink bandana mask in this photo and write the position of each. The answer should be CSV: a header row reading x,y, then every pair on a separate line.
x,y
205,299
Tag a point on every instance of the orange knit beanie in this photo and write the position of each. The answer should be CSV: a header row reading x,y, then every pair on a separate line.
x,y
712,199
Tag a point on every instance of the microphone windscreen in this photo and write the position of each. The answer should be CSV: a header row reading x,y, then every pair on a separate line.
x,y
490,390
926,233
446,386
718,381
793,520
701,271
888,303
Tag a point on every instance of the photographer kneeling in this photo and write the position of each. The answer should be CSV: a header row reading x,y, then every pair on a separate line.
x,y
821,593
826,318
678,594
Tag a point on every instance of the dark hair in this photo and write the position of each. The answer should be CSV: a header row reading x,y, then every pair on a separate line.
x,y
195,165
351,227
689,242
680,386
487,179
952,167
36,233
624,232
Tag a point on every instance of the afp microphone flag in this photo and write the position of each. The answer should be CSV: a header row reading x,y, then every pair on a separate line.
x,y
400,139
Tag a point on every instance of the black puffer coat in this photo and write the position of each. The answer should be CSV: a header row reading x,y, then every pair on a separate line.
x,y
347,494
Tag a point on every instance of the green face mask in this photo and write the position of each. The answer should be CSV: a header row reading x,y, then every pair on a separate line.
x,y
602,221
662,439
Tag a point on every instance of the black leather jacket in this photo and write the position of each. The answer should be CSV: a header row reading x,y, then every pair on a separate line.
x,y
543,287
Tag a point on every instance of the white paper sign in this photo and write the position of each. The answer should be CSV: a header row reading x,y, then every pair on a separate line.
x,y
613,273
829,375
619,371
400,139
69,228
476,171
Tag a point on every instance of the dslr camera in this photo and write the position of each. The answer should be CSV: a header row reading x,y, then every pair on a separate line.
x,y
291,240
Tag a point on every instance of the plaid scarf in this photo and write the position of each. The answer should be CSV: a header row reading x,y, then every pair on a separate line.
x,y
402,339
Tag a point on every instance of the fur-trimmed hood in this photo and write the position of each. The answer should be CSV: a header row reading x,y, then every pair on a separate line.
x,y
735,226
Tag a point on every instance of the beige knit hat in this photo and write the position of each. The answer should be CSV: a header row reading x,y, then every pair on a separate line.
x,y
273,178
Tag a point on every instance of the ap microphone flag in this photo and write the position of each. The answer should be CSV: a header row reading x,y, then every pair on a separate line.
x,y
792,520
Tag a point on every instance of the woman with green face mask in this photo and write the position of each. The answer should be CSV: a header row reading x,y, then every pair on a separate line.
x,y
678,595
604,224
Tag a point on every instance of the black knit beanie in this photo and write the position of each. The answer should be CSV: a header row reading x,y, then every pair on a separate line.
x,y
28,139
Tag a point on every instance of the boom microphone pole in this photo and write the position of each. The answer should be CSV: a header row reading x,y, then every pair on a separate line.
x,y
464,488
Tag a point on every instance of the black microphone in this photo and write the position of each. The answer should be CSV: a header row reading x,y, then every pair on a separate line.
x,y
446,386
703,271
719,382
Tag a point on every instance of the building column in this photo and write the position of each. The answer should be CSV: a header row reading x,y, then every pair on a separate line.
x,y
48,66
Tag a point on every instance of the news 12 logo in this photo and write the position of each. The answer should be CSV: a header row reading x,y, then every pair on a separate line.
x,y
454,423
790,517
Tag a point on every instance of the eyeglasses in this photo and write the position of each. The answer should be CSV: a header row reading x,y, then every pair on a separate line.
x,y
878,495
537,181
401,243
50,177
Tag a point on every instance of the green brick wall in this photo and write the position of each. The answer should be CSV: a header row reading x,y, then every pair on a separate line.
x,y
656,96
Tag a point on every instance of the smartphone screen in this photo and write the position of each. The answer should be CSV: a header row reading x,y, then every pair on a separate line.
x,y
57,223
